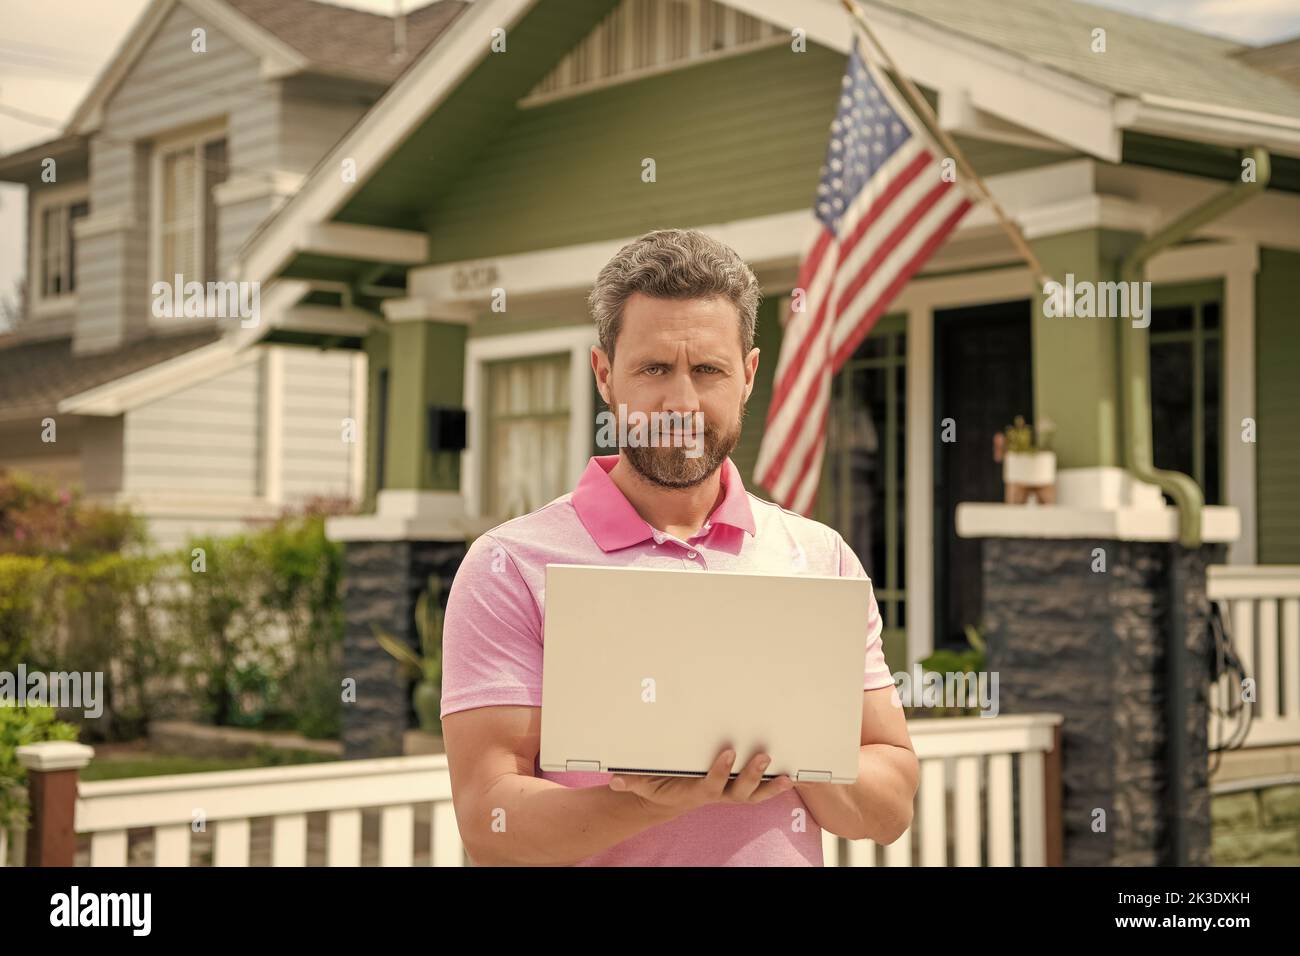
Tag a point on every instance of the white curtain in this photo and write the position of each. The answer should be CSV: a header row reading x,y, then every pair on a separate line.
x,y
529,445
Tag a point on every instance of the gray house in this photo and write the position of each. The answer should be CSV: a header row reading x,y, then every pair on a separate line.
x,y
208,116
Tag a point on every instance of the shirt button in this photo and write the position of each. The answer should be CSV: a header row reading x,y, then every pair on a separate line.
x,y
691,554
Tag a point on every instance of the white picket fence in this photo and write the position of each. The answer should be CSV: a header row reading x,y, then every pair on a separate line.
x,y
225,803
972,769
1260,605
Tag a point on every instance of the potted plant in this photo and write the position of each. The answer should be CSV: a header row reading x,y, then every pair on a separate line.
x,y
1028,464
425,667
969,660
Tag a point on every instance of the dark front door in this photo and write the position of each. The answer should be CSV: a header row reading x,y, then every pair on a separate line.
x,y
983,380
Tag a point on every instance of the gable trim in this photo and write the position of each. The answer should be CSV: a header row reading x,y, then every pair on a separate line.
x,y
442,67
1062,107
278,58
158,381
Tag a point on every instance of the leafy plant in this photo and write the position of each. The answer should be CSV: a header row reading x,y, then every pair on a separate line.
x,y
1020,437
36,518
19,726
969,660
302,593
426,667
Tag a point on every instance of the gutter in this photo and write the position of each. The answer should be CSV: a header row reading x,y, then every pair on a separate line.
x,y
1136,361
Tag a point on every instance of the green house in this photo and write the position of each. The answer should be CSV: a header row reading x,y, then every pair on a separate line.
x,y
453,234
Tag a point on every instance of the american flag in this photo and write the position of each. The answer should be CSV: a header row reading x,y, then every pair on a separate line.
x,y
882,208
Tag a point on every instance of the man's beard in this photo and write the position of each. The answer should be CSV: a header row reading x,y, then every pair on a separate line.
x,y
671,467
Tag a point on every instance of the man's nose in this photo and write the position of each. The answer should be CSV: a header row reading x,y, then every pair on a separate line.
x,y
682,396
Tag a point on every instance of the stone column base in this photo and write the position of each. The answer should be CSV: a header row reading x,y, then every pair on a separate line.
x,y
1093,646
382,581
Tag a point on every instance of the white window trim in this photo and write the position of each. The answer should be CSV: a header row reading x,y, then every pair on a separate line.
x,y
194,140
577,341
42,198
1234,263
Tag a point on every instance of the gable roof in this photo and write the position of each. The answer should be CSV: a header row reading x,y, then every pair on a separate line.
x,y
1281,59
290,36
330,37
1009,55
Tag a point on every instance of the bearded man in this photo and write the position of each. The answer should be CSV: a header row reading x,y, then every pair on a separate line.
x,y
675,311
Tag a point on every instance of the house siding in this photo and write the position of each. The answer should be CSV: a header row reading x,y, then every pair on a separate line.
x,y
714,162
202,440
169,90
318,396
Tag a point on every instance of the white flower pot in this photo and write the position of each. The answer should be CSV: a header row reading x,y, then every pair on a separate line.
x,y
1034,469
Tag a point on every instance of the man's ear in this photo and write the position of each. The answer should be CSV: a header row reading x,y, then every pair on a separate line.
x,y
751,369
601,367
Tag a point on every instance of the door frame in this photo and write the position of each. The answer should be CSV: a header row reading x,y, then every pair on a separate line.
x,y
942,571
920,299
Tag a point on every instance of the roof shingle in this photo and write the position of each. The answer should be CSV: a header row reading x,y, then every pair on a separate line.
x,y
338,39
36,375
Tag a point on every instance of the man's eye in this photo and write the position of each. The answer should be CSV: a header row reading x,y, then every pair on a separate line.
x,y
654,368
707,368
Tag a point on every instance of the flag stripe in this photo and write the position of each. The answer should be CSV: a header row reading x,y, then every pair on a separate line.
x,y
877,208
882,212
850,345
883,254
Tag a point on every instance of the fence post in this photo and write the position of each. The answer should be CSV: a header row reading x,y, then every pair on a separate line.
x,y
1052,796
52,789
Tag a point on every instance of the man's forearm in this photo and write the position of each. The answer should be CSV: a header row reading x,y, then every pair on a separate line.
x,y
878,806
529,821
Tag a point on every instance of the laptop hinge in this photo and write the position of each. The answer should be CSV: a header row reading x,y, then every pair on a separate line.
x,y
813,776
587,766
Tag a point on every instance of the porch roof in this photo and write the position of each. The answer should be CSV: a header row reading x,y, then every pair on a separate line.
x,y
1143,57
441,118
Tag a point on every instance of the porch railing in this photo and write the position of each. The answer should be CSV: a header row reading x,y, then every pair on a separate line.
x,y
1260,606
989,795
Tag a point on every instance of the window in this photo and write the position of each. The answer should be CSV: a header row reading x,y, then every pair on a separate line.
x,y
54,245
527,434
186,173
1186,387
863,486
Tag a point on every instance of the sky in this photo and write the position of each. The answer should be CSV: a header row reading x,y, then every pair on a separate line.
x,y
51,51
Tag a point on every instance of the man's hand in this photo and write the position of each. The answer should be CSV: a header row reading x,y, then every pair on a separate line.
x,y
671,796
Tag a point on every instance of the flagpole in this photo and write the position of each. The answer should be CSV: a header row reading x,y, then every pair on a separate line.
x,y
921,107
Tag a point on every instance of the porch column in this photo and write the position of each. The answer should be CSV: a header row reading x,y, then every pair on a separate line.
x,y
418,526
1081,613
426,367
1076,360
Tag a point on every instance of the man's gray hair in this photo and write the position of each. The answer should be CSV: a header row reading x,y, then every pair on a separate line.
x,y
673,264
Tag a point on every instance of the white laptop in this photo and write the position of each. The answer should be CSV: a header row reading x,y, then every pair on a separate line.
x,y
656,672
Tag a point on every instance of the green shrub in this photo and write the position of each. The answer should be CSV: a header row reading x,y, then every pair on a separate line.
x,y
37,518
79,591
19,726
25,582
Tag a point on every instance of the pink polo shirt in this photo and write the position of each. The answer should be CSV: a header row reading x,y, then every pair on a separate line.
x,y
492,639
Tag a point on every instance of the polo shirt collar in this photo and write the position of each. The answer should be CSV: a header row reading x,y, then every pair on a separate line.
x,y
613,523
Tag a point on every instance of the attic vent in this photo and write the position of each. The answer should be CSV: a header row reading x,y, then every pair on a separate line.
x,y
646,36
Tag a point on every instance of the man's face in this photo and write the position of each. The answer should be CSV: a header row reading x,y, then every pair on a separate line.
x,y
682,357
